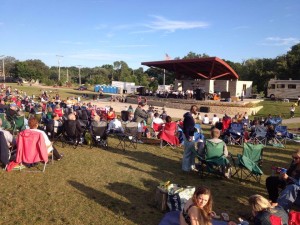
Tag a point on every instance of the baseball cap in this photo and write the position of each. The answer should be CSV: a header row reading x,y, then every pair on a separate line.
x,y
142,103
13,104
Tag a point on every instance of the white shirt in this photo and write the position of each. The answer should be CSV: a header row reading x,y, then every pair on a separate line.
x,y
214,120
205,120
157,120
47,141
115,124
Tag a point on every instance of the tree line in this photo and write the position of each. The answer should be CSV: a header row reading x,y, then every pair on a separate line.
x,y
260,71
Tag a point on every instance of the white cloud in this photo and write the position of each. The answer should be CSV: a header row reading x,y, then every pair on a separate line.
x,y
277,41
161,23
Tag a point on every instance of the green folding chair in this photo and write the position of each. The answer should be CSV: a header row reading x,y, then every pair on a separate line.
x,y
18,124
249,163
214,161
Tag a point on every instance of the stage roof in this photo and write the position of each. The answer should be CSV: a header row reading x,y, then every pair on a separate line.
x,y
211,68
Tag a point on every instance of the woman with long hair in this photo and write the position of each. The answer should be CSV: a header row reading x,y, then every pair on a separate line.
x,y
264,213
198,209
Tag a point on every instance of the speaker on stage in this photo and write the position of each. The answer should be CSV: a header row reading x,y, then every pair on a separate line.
x,y
200,94
225,94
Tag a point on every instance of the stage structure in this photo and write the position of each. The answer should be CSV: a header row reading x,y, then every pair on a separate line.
x,y
210,74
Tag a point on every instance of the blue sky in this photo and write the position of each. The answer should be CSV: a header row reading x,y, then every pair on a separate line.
x,y
96,32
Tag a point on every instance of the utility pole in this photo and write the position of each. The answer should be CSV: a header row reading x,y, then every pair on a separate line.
x,y
3,69
58,59
79,67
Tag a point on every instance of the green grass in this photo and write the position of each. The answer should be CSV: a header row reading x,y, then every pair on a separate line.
x,y
96,186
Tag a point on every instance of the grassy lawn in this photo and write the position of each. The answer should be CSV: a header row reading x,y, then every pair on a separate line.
x,y
96,186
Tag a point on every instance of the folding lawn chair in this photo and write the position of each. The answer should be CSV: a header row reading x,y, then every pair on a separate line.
x,y
281,135
226,123
169,135
156,127
31,149
4,151
249,163
235,132
214,160
99,135
129,138
18,124
259,136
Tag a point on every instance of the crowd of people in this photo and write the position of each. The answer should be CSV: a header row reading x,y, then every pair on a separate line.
x,y
74,117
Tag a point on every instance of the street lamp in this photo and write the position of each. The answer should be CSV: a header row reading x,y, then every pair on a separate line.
x,y
79,67
58,59
3,69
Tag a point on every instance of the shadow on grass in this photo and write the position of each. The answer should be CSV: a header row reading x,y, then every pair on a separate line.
x,y
129,205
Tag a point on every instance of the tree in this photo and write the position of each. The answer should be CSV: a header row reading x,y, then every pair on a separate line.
x,y
32,69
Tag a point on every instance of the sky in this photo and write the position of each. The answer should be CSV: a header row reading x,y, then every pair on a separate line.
x,y
92,33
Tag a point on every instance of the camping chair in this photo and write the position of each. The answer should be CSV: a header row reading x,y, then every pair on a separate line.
x,y
226,123
124,115
214,160
99,135
169,135
129,137
235,132
69,134
259,136
249,163
18,124
156,128
281,135
31,149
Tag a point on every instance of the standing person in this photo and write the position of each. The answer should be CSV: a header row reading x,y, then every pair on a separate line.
x,y
298,101
189,122
198,209
188,160
292,111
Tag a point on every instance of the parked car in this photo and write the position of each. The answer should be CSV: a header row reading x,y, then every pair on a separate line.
x,y
82,88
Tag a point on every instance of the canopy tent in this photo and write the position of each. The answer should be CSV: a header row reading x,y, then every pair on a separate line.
x,y
211,68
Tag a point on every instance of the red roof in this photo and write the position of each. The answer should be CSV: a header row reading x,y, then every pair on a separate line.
x,y
211,68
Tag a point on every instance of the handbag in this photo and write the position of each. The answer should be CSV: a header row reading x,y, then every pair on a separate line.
x,y
294,218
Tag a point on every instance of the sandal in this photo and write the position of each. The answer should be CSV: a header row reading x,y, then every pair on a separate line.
x,y
225,216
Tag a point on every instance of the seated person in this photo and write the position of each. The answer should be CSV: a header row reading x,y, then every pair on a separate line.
x,y
263,212
157,119
115,126
111,114
73,127
11,112
288,181
8,136
205,119
215,119
164,115
215,134
33,125
219,124
198,209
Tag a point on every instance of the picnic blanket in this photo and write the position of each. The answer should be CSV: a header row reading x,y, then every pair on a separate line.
x,y
172,218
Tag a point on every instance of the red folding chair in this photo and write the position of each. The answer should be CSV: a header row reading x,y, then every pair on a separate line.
x,y
157,127
169,135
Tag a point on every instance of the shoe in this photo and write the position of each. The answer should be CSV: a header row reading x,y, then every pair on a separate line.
x,y
225,216
61,156
19,167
